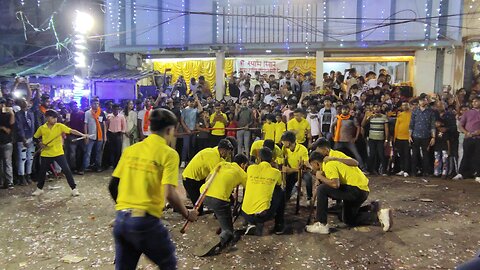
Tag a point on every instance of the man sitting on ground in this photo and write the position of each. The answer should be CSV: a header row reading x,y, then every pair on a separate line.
x,y
264,198
342,182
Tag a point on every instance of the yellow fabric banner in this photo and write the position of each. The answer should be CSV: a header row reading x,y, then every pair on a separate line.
x,y
193,69
302,66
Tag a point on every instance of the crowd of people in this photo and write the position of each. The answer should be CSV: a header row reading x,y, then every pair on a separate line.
x,y
269,134
383,128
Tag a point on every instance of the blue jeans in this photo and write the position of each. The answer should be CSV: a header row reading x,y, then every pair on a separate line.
x,y
97,147
6,169
243,138
188,146
25,158
135,236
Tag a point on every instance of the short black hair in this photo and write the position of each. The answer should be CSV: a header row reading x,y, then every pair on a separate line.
x,y
266,155
289,136
240,159
316,156
298,110
234,143
270,144
160,119
225,144
322,142
51,113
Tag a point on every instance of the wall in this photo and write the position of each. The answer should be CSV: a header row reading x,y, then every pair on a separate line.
x,y
424,70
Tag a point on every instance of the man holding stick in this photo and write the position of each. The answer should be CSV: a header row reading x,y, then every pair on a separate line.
x,y
52,150
295,154
146,175
342,182
201,165
218,195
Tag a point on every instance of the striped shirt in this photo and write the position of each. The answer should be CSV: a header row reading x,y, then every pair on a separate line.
x,y
377,127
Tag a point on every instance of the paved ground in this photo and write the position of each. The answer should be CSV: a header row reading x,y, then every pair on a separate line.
x,y
38,232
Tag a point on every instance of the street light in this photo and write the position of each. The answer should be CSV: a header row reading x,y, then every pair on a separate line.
x,y
82,24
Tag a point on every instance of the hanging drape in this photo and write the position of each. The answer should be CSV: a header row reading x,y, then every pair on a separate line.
x,y
193,69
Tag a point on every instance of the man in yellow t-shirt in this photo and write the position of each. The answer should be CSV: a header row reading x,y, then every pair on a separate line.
x,y
201,165
146,175
295,154
259,144
264,198
300,126
401,137
268,128
280,128
52,150
229,176
218,121
347,183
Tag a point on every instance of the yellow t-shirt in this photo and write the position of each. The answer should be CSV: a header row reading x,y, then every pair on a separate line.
x,y
52,137
268,130
300,128
347,175
257,145
144,169
202,164
300,153
402,124
218,124
228,177
280,128
261,181
337,154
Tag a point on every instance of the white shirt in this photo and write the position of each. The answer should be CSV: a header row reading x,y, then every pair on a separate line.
x,y
314,123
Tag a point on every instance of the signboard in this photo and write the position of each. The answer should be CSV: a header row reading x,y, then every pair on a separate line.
x,y
263,65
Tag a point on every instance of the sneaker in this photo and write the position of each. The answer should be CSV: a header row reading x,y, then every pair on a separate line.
x,y
81,172
318,227
400,173
477,179
182,165
10,186
279,229
309,202
38,192
458,177
75,192
405,174
385,218
251,229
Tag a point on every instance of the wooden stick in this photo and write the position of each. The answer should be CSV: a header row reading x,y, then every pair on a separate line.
x,y
299,188
40,150
200,199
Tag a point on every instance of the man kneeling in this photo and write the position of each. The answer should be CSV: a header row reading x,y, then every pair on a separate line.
x,y
264,198
343,182
230,175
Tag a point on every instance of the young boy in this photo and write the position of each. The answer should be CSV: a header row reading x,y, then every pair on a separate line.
x,y
52,150
268,129
280,128
441,149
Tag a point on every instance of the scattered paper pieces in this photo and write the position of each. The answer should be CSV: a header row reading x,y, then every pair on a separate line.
x,y
362,229
72,259
426,200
